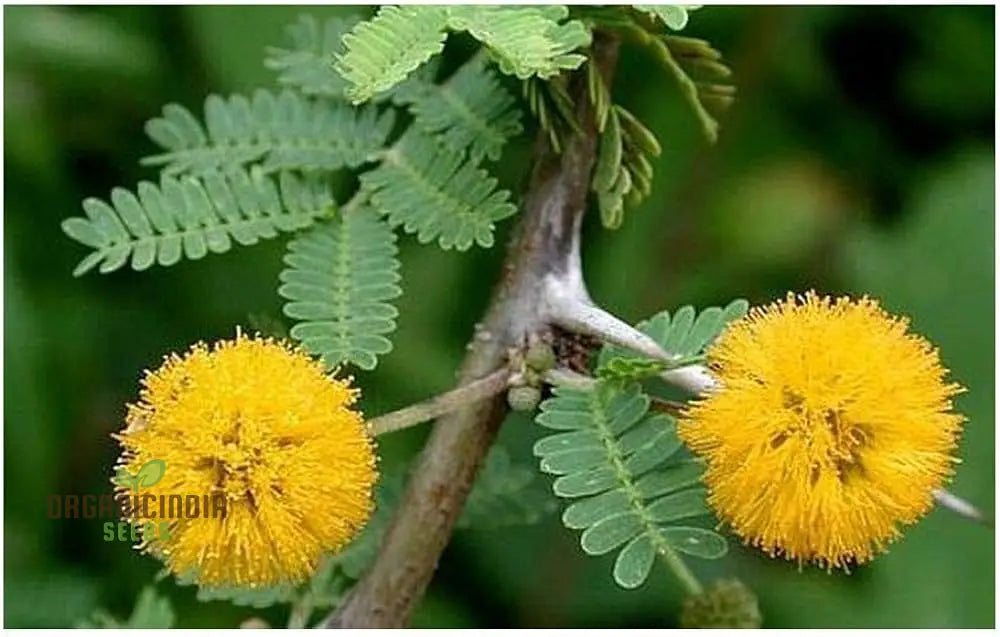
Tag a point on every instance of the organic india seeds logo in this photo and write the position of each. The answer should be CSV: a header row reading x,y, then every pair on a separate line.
x,y
134,515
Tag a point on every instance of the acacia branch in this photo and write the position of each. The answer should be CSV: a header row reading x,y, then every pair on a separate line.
x,y
547,244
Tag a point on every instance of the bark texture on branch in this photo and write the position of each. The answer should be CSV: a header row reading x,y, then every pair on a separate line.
x,y
546,246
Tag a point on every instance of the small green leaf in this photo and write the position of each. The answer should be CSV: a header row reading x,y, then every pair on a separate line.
x,y
559,419
566,462
672,478
706,326
678,506
584,483
642,435
610,533
680,325
695,541
585,513
584,439
657,450
634,562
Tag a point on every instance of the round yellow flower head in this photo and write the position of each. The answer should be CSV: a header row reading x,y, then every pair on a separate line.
x,y
268,449
830,430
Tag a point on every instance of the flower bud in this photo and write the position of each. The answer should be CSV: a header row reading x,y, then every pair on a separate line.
x,y
524,398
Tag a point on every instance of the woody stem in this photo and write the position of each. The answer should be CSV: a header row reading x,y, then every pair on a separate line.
x,y
546,244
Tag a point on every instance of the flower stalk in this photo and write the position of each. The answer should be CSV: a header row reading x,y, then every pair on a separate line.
x,y
442,404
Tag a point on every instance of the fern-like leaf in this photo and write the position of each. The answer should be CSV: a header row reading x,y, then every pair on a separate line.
x,y
686,335
631,492
381,52
339,278
524,40
191,217
306,64
283,132
675,16
505,494
437,194
471,110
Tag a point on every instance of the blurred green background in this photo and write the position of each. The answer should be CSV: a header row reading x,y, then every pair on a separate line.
x,y
858,158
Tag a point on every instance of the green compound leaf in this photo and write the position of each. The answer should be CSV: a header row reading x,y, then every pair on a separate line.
x,y
619,465
191,217
306,64
338,281
281,132
505,494
686,335
674,16
437,194
470,110
381,52
525,41
704,80
624,170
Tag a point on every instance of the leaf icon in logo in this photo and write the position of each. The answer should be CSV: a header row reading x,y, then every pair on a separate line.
x,y
150,473
125,479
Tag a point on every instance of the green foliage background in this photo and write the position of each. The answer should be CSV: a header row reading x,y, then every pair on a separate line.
x,y
858,158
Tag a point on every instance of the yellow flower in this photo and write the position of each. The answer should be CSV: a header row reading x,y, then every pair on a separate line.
x,y
830,430
269,444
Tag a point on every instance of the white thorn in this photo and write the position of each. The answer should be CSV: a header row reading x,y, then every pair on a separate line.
x,y
963,508
694,378
569,307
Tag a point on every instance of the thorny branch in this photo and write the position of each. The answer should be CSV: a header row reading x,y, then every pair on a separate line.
x,y
546,248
